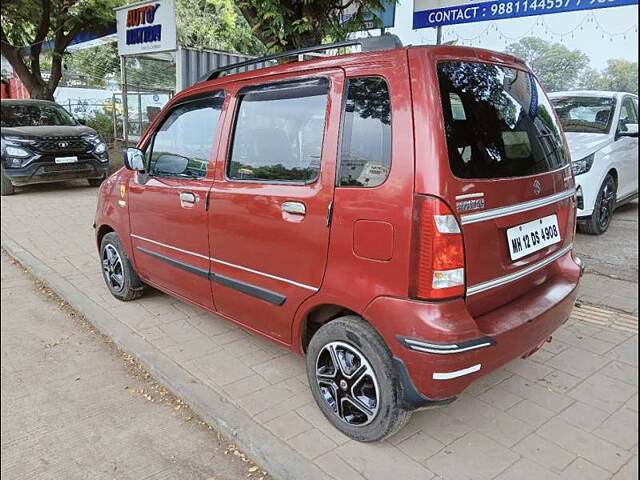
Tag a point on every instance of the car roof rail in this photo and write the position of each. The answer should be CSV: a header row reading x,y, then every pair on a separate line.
x,y
367,44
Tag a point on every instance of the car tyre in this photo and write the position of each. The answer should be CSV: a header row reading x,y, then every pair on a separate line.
x,y
365,406
117,271
6,187
600,220
96,182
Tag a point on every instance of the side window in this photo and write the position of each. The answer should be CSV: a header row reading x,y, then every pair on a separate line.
x,y
279,131
183,144
628,113
365,157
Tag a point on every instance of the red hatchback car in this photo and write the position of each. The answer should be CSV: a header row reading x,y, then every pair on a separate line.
x,y
405,217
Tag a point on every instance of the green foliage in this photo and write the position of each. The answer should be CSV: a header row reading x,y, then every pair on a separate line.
x,y
215,24
620,76
30,23
557,67
102,122
288,24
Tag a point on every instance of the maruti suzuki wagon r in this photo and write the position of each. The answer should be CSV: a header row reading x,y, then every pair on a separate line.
x,y
404,217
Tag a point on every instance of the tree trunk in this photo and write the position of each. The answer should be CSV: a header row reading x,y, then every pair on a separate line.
x,y
41,92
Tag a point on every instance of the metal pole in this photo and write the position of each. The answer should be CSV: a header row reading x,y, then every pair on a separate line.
x,y
439,35
114,115
125,105
139,114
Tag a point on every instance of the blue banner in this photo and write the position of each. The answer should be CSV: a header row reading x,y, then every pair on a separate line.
x,y
466,11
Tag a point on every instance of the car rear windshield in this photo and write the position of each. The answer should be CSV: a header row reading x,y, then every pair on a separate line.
x,y
34,115
498,122
585,114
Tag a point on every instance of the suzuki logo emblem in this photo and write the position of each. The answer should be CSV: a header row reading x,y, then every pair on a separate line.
x,y
63,144
537,187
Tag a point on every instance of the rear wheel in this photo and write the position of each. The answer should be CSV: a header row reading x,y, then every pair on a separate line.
x,y
352,380
118,273
600,220
6,187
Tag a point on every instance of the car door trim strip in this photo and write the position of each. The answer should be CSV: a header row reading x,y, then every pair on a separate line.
x,y
517,208
176,263
247,288
228,264
498,282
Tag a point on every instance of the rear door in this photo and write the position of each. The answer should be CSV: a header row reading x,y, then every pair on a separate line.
x,y
506,174
271,198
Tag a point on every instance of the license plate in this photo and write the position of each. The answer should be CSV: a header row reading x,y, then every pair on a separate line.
x,y
66,159
530,237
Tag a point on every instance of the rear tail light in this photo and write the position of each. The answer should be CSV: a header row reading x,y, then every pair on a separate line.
x,y
438,251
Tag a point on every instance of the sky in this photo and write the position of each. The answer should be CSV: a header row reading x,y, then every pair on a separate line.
x,y
589,39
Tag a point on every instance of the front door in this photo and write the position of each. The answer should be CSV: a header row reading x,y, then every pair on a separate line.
x,y
167,205
627,150
271,199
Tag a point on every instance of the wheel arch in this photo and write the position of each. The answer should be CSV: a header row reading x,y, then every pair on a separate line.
x,y
319,315
101,231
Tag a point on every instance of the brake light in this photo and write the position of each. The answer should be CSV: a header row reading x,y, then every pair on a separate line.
x,y
438,251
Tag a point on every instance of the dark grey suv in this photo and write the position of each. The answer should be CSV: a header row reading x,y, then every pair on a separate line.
x,y
42,142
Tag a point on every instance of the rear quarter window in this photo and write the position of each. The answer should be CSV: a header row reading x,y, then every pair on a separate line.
x,y
498,122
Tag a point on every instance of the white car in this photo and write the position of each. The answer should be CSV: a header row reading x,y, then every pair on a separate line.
x,y
602,132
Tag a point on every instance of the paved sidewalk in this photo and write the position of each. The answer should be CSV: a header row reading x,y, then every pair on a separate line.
x,y
73,409
568,412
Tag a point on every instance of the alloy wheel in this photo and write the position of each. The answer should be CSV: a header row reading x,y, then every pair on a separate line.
x,y
112,268
607,204
347,383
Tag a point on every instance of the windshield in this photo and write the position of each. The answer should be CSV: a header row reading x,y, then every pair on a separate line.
x,y
35,115
585,114
498,122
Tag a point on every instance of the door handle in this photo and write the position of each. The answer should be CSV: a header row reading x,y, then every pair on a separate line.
x,y
188,197
295,208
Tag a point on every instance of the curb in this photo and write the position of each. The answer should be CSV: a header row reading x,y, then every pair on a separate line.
x,y
280,460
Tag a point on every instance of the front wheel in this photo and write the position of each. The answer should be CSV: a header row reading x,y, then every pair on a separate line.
x,y
118,273
352,380
602,215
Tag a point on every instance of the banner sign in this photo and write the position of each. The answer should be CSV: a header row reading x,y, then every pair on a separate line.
x,y
435,13
384,18
146,27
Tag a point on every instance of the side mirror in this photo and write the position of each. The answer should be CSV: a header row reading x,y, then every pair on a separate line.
x,y
168,164
631,130
133,159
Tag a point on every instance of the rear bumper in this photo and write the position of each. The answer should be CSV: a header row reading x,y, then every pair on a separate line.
x,y
43,172
443,349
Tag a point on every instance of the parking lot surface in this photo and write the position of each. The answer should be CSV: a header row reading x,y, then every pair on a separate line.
x,y
570,411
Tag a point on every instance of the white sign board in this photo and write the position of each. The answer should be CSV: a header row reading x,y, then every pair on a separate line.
x,y
146,27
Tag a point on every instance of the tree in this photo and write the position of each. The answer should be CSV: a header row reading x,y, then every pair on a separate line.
x,y
591,79
217,24
557,67
620,76
290,24
26,25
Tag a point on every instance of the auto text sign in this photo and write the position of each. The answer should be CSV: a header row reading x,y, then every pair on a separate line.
x,y
146,27
434,13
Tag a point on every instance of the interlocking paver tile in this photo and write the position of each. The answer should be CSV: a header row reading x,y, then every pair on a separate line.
x,y
581,469
531,412
288,425
603,392
544,452
420,446
620,428
578,362
626,352
312,443
381,462
527,470
471,457
584,416
621,371
629,471
578,441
